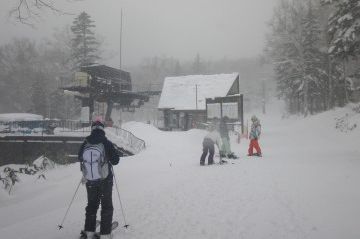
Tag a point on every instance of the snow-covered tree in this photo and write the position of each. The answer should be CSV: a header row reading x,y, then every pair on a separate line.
x,y
285,54
344,28
344,37
293,45
18,61
85,46
315,69
31,75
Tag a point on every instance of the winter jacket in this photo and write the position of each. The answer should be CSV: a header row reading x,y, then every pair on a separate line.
x,y
255,130
98,136
214,136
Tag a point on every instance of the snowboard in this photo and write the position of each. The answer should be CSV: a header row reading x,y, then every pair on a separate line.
x,y
114,225
255,155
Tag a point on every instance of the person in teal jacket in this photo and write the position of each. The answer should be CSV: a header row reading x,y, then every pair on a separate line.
x,y
254,136
224,133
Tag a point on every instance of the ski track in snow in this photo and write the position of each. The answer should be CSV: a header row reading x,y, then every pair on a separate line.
x,y
296,190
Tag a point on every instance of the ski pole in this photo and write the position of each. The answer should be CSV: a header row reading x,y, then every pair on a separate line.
x,y
220,155
72,200
118,193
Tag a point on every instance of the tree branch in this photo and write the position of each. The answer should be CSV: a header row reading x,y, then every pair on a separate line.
x,y
28,11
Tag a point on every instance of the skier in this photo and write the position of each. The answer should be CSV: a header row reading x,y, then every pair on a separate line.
x,y
97,155
224,132
212,138
254,137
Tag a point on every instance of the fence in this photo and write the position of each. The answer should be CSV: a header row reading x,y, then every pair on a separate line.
x,y
46,127
74,126
42,127
135,144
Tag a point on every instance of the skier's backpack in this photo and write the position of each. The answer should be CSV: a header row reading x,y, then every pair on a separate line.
x,y
94,165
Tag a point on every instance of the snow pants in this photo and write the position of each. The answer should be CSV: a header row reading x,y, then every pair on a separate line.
x,y
254,144
225,147
208,147
99,192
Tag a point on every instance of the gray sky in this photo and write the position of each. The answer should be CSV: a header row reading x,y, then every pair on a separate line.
x,y
172,28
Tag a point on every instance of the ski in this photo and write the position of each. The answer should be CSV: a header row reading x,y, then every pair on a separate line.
x,y
114,225
222,162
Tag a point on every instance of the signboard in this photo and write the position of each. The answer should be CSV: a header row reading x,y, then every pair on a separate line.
x,y
81,79
214,111
230,106
85,114
230,110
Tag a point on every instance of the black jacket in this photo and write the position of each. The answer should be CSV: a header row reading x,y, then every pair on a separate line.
x,y
98,136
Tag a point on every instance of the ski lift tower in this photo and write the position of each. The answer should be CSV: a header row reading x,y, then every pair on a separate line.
x,y
104,84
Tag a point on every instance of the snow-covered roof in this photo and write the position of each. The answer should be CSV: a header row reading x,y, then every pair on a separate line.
x,y
179,93
19,117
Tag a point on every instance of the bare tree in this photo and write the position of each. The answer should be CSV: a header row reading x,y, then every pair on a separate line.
x,y
27,11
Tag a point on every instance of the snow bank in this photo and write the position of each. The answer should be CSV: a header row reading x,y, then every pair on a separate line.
x,y
19,117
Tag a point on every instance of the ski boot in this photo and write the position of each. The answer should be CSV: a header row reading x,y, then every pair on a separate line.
x,y
223,161
87,235
232,156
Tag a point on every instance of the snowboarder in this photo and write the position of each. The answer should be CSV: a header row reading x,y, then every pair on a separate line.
x,y
212,138
97,155
254,137
225,147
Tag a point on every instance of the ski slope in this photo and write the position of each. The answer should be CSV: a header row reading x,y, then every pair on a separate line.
x,y
305,186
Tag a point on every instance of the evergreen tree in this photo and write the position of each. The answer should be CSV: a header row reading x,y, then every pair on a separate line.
x,y
344,28
315,73
38,97
18,69
284,48
344,38
85,46
293,46
177,68
197,65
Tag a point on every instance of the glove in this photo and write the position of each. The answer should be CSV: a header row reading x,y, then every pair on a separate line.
x,y
83,180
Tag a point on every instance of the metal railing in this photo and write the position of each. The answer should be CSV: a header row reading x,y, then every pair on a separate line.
x,y
46,127
42,127
74,126
135,144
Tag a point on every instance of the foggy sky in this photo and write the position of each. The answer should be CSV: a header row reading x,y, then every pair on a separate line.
x,y
172,28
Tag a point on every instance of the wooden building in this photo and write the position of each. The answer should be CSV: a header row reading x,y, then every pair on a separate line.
x,y
183,98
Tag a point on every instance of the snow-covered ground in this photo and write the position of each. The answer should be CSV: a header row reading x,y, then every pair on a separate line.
x,y
305,186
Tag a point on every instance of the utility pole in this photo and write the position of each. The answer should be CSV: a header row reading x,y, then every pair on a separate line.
x,y
121,28
120,56
196,96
